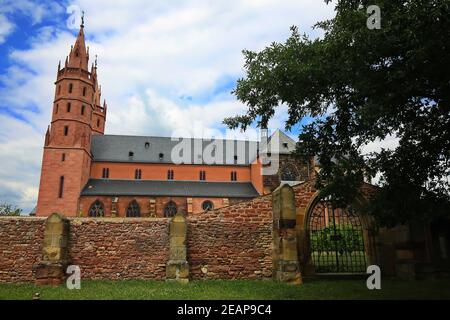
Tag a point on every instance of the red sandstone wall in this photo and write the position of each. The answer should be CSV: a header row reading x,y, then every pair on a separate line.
x,y
119,248
232,242
155,171
20,247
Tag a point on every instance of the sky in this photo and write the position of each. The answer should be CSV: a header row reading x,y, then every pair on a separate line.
x,y
164,66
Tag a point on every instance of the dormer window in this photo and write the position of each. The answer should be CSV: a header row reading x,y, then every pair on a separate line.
x,y
147,145
235,158
131,154
285,145
161,156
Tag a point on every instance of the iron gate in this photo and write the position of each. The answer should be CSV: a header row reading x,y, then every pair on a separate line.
x,y
336,240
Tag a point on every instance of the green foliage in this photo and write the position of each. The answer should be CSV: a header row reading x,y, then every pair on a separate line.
x,y
361,86
343,238
7,209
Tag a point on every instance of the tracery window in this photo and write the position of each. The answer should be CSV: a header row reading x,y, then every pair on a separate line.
x,y
170,209
207,205
97,209
133,209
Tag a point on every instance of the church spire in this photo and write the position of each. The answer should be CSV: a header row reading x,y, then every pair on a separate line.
x,y
79,56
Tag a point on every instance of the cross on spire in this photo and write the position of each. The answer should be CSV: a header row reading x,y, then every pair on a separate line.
x,y
82,18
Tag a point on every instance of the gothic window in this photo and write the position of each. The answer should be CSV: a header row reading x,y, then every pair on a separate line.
x,y
133,209
288,173
70,87
170,209
84,91
202,175
63,157
97,209
138,174
233,176
105,173
207,205
61,187
68,107
66,130
98,122
170,175
82,110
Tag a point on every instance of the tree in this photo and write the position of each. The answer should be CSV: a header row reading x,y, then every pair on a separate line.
x,y
7,209
363,85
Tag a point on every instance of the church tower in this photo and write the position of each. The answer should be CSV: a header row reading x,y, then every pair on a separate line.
x,y
77,115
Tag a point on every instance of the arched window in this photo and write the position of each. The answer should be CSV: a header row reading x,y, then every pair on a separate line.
x,y
105,173
170,209
138,174
169,174
233,176
133,209
288,173
70,87
207,205
97,209
202,175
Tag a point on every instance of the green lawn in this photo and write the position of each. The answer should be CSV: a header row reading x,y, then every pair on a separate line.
x,y
313,289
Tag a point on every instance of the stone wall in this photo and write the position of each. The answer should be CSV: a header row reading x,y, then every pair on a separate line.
x,y
232,242
119,248
21,241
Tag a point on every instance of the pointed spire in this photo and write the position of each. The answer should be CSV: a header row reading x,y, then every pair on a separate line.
x,y
79,56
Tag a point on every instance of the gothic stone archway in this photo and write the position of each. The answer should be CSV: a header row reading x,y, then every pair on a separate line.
x,y
306,199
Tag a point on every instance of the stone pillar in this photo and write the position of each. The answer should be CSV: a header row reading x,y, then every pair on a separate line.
x,y
285,259
177,268
51,270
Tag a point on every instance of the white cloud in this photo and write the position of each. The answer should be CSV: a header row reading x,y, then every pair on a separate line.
x,y
6,27
149,54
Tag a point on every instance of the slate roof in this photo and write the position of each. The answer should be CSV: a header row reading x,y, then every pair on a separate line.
x,y
110,187
117,148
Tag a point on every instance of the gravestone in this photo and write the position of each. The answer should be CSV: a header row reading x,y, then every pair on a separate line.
x,y
51,270
177,268
285,259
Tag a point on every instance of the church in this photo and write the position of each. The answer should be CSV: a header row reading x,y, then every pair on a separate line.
x,y
87,173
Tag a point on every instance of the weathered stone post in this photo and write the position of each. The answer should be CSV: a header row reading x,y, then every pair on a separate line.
x,y
51,270
285,260
177,267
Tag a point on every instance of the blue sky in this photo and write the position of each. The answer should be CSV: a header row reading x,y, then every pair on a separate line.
x,y
164,66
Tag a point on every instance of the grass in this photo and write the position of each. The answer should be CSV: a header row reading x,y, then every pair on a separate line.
x,y
235,289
